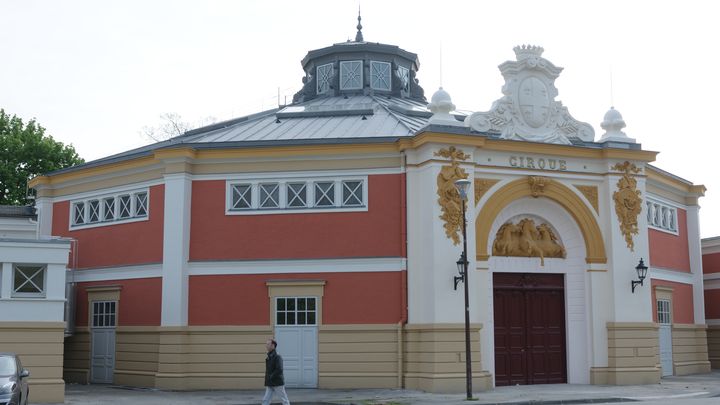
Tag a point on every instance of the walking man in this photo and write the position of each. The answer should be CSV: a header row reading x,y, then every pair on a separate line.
x,y
274,379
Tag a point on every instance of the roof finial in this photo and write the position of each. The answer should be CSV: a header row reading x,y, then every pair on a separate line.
x,y
358,36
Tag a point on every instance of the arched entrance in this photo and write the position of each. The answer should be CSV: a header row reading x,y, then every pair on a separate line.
x,y
539,315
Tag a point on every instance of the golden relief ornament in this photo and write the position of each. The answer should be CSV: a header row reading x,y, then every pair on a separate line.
x,y
482,186
628,203
591,193
537,185
524,239
448,196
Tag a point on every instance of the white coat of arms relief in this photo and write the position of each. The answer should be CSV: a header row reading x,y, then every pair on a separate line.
x,y
528,110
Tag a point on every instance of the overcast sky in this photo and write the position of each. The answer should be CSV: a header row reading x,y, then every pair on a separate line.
x,y
94,73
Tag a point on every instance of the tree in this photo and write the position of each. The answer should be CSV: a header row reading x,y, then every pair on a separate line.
x,y
26,152
172,125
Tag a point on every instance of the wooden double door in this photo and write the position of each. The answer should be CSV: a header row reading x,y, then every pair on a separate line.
x,y
529,312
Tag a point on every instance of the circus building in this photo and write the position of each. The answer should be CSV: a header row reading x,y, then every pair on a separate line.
x,y
334,224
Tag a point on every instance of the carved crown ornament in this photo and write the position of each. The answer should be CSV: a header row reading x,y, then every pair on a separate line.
x,y
448,196
628,202
528,110
525,239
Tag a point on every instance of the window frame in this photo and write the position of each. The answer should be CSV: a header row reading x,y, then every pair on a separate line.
x,y
286,195
104,218
39,294
320,74
296,311
404,75
664,315
109,313
343,72
655,220
374,77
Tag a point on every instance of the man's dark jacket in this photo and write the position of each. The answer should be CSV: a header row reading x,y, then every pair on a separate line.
x,y
274,370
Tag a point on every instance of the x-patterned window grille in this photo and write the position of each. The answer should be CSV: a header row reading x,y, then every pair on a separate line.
x,y
109,209
29,280
380,75
93,211
125,206
241,196
79,213
269,195
324,194
324,76
296,195
141,201
351,75
352,193
404,74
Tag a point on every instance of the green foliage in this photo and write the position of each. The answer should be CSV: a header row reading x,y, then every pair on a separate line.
x,y
25,152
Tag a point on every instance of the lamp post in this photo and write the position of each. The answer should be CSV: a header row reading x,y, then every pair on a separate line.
x,y
641,269
462,187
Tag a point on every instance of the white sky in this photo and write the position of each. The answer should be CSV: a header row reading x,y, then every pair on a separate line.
x,y
95,72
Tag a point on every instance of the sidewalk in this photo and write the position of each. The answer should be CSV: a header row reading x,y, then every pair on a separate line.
x,y
704,388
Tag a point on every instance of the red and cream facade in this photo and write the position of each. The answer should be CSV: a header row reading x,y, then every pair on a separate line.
x,y
191,254
711,275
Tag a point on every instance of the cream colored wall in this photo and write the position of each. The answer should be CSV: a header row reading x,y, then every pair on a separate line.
x,y
713,342
136,356
435,358
40,346
76,364
359,356
633,356
690,349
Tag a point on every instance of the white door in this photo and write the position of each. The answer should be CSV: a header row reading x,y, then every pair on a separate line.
x,y
103,341
297,337
664,319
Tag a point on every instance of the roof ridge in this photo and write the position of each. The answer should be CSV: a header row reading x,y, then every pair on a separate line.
x,y
391,112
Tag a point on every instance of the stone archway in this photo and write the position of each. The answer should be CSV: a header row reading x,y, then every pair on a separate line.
x,y
547,188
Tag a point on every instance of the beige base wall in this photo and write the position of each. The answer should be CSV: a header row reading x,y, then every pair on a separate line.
x,y
632,355
713,342
76,366
689,349
435,358
136,356
360,356
40,346
214,357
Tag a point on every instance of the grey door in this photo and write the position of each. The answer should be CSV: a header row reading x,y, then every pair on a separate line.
x,y
665,336
102,359
297,337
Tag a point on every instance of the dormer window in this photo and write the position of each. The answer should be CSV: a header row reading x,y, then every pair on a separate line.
x,y
351,75
380,76
324,75
404,74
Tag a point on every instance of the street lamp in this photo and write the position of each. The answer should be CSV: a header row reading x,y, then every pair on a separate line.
x,y
641,269
462,187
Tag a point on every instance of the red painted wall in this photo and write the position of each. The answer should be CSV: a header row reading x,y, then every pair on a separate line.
x,y
712,304
669,251
140,301
682,301
375,233
120,244
349,298
711,263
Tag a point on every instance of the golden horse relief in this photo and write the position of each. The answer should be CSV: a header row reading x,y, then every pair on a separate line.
x,y
628,202
448,197
524,239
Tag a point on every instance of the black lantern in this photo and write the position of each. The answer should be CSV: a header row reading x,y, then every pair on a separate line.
x,y
641,269
461,269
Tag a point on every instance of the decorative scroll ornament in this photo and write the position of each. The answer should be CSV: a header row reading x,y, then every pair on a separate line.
x,y
537,185
524,239
528,110
628,203
449,199
482,186
591,193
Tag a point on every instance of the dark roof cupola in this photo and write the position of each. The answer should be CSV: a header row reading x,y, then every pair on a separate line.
x,y
360,68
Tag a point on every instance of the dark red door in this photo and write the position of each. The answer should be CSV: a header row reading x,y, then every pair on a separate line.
x,y
529,328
